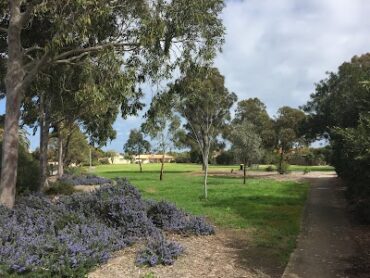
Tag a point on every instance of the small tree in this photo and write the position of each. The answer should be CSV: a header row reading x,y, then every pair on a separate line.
x,y
111,155
202,99
287,125
246,144
136,145
161,125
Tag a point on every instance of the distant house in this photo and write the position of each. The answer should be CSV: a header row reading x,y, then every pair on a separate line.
x,y
153,158
119,159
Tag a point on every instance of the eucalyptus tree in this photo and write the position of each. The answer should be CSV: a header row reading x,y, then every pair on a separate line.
x,y
145,32
162,126
202,100
136,145
246,144
254,111
287,126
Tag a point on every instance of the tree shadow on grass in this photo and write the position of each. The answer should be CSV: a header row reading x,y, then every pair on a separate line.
x,y
144,171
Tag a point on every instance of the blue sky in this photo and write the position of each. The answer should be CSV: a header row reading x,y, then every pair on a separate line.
x,y
278,50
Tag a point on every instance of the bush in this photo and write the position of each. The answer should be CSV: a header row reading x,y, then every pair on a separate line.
x,y
167,217
67,237
28,171
306,171
225,158
159,251
183,157
60,188
269,168
84,180
283,168
104,161
75,171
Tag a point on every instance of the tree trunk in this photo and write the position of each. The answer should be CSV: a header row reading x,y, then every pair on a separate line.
x,y
206,180
9,164
205,163
244,172
14,94
141,167
44,142
162,167
60,154
281,162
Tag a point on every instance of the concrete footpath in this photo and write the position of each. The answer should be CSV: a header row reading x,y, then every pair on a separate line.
x,y
325,248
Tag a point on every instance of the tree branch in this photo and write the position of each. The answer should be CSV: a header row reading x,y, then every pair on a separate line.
x,y
4,30
35,68
79,51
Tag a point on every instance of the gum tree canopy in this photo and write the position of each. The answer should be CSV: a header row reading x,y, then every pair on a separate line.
x,y
153,36
201,98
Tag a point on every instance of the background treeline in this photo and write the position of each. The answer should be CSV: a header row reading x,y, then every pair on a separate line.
x,y
339,110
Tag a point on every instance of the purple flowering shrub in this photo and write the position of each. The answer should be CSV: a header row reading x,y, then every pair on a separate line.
x,y
159,251
168,217
67,237
88,179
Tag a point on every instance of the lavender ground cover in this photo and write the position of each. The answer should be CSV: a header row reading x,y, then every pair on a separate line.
x,y
67,237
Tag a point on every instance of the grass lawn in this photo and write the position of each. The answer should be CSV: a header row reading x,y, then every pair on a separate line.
x,y
268,210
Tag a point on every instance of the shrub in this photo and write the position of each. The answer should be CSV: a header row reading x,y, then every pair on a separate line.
x,y
67,237
84,180
225,158
269,168
28,171
283,168
60,188
159,251
104,161
167,217
306,171
75,171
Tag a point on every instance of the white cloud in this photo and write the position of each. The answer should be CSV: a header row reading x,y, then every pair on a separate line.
x,y
277,50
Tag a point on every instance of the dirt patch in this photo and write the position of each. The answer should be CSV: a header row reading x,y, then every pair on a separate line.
x,y
295,176
226,254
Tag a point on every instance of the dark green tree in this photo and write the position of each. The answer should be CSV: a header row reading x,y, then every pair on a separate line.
x,y
254,111
136,145
287,127
144,32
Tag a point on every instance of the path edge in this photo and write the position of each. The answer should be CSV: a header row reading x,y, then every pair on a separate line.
x,y
302,227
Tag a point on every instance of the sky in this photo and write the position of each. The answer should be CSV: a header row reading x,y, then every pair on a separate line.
x,y
278,50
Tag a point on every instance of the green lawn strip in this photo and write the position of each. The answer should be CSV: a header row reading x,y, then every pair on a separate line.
x,y
271,209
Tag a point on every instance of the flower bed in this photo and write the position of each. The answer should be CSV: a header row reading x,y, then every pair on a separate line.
x,y
68,237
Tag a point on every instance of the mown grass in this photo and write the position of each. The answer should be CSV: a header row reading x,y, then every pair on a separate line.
x,y
270,209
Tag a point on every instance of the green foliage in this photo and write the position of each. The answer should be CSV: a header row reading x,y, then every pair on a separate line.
x,y
136,144
75,171
306,170
225,158
28,171
283,167
246,143
339,110
287,125
254,111
270,168
60,188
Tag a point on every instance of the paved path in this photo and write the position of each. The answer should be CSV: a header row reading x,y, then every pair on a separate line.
x,y
325,247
